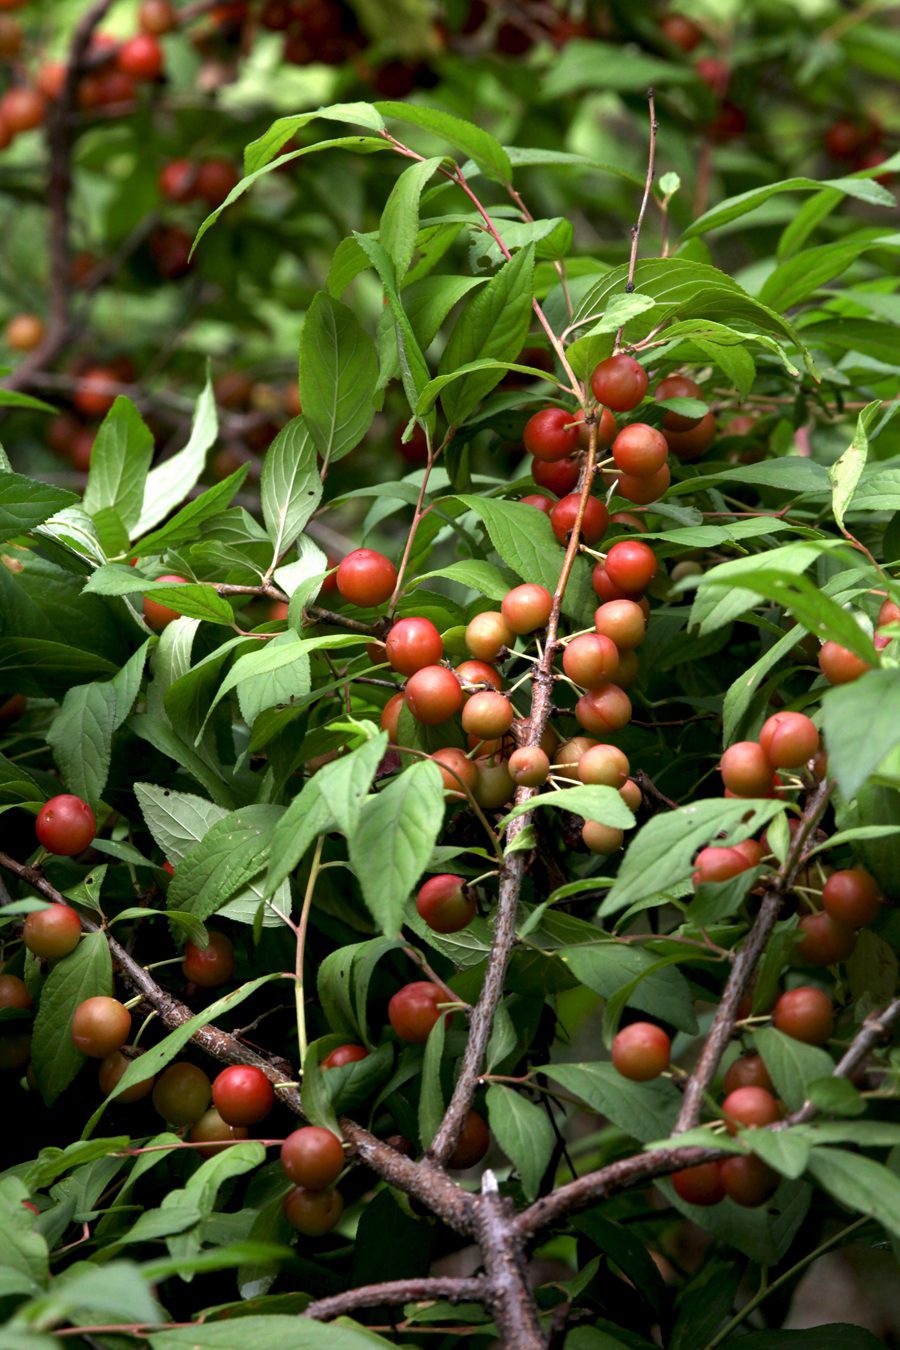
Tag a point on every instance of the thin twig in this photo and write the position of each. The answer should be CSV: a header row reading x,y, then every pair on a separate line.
x,y
636,228
449,1290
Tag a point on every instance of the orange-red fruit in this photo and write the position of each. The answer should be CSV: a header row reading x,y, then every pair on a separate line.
x,y
539,501
212,965
599,838
242,1094
640,450
159,616
525,608
623,621
559,476
565,514
494,786
889,613
714,864
433,694
551,435
366,578
749,1107
215,179
789,739
479,672
678,386
607,427
445,903
21,109
570,754
619,383
111,1070
631,795
96,391
603,710
806,1014
413,1010
487,714
488,634
313,1213
644,489
100,1025
412,644
344,1054
745,770
691,444
472,1144
700,1185
641,1051
65,825
748,1071
312,1157
606,589
747,1180
214,1133
631,565
852,897
458,772
24,332
141,57
52,932
177,183
822,941
157,17
683,33
603,765
14,992
529,766
839,665
591,660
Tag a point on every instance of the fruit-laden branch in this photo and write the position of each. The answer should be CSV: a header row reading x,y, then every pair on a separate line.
x,y
450,1290
644,1167
746,961
513,871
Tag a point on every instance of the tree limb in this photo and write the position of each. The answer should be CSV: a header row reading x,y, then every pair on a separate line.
x,y
450,1290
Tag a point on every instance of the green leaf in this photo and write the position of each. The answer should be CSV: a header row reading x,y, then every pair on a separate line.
x,y
338,375
392,843
170,482
603,804
232,852
25,504
271,1332
184,526
613,969
785,1151
259,152
431,1097
291,487
487,152
604,66
120,459
660,856
399,228
859,1183
644,1110
792,1064
734,207
523,1131
493,324
83,974
837,1096
479,576
861,722
117,1291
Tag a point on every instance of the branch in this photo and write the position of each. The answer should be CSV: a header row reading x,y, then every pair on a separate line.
x,y
636,228
745,963
451,1290
504,1264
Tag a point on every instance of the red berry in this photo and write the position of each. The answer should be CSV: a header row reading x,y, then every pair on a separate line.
x,y
846,138
212,1131
479,672
565,513
748,1071
745,770
494,786
645,489
313,1213
539,501
694,442
683,33
551,434
390,716
242,1094
591,660
601,711
141,57
51,80
215,180
487,714
366,578
604,766
607,427
524,609
715,864
619,383
631,565
413,1010
65,825
21,109
472,1144
181,1093
839,665
412,644
715,73
212,965
312,1157
96,391
747,1180
822,941
458,772
14,992
529,766
623,621
100,1025
852,897
749,1107
178,183
157,17
433,694
488,634
640,450
606,589
889,613
446,903
111,1070
344,1054
789,739
52,932
806,1014
678,386
159,616
700,1185
24,332
641,1051
559,476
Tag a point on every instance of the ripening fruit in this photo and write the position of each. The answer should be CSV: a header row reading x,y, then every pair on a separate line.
x,y
160,616
678,386
390,716
366,578
691,444
433,694
623,621
242,1094
565,514
344,1054
529,766
604,766
473,1143
479,672
312,1157
606,589
822,941
569,755
641,1051
644,489
747,1180
852,897
745,770
21,109
52,932
839,665
599,838
65,825
619,383
683,33
177,183
157,17
715,73
631,795
458,772
540,501
748,1071
100,1025
215,179
14,992
525,609
591,660
494,786
607,427
640,450
413,1010
631,565
806,1014
446,903
141,57
181,1093
700,1185
487,714
749,1107
559,476
603,710
488,634
213,1131
551,435
313,1213
11,38
889,613
111,1070
721,863
412,644
24,332
212,965
789,739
